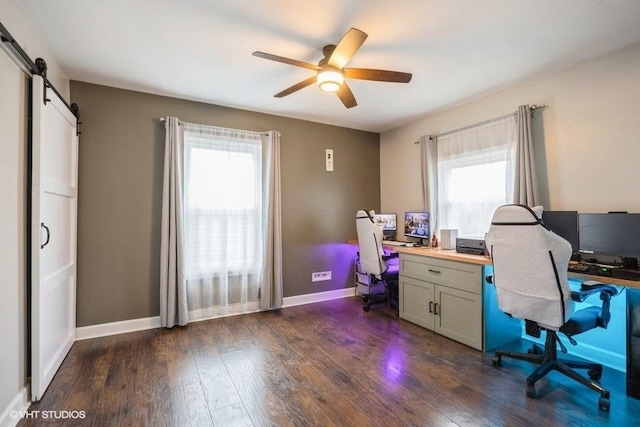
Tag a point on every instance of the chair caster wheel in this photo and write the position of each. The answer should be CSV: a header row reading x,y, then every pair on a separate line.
x,y
604,404
595,374
365,307
531,390
496,361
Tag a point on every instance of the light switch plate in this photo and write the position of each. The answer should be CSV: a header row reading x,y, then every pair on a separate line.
x,y
329,159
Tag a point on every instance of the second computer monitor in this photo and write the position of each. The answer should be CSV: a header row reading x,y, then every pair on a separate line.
x,y
565,225
386,221
416,224
614,234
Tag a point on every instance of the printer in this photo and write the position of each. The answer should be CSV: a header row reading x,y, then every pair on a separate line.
x,y
470,246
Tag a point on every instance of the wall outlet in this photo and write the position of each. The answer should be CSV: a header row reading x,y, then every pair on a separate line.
x,y
320,276
329,159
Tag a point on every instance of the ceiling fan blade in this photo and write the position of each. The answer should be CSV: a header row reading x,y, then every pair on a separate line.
x,y
377,75
346,96
285,60
296,87
347,47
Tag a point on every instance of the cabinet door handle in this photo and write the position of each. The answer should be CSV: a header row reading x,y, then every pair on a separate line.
x,y
436,309
430,306
434,271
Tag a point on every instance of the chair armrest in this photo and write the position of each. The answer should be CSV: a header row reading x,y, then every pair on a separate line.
x,y
391,255
591,287
606,292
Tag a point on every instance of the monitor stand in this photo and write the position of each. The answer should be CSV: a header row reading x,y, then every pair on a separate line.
x,y
421,243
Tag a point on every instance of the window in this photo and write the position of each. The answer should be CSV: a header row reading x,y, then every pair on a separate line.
x,y
475,176
221,244
223,205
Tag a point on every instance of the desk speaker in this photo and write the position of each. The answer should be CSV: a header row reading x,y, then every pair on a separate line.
x,y
448,238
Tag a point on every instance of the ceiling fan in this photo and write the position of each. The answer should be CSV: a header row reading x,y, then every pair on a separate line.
x,y
331,72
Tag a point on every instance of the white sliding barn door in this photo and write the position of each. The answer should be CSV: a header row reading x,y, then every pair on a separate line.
x,y
53,235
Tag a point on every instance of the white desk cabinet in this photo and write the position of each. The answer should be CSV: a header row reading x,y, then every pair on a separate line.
x,y
443,296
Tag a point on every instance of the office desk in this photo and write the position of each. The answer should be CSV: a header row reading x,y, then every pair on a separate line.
x,y
447,254
467,309
451,254
446,292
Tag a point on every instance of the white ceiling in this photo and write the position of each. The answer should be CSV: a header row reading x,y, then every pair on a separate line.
x,y
201,49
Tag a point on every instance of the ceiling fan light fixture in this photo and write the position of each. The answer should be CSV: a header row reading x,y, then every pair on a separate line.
x,y
330,79
330,72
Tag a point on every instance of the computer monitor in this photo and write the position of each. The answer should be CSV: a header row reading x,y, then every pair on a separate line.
x,y
565,225
416,224
386,221
614,234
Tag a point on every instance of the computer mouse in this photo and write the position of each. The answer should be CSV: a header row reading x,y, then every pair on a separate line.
x,y
409,245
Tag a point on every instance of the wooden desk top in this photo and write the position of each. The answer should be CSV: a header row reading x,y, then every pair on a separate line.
x,y
449,254
452,255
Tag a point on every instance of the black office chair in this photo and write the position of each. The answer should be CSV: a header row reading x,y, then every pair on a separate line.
x,y
530,276
373,261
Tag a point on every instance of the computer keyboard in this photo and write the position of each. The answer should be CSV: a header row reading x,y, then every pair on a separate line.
x,y
393,243
579,268
605,271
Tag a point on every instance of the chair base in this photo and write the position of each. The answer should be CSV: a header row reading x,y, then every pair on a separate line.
x,y
390,298
548,361
369,300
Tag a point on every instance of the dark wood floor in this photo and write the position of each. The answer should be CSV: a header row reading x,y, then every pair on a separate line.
x,y
314,365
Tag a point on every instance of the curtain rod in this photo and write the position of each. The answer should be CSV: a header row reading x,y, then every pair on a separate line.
x,y
164,119
532,109
39,68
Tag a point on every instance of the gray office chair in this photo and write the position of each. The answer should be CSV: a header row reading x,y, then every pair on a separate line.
x,y
374,262
530,276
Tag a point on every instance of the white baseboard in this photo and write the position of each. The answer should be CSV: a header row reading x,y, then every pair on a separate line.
x,y
114,328
10,416
318,297
134,325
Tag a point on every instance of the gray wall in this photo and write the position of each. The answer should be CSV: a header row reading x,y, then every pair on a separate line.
x,y
120,190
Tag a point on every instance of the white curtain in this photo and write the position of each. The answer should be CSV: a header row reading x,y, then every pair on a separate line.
x,y
231,221
525,188
475,175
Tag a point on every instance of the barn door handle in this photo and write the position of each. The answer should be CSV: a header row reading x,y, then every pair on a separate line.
x,y
48,235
